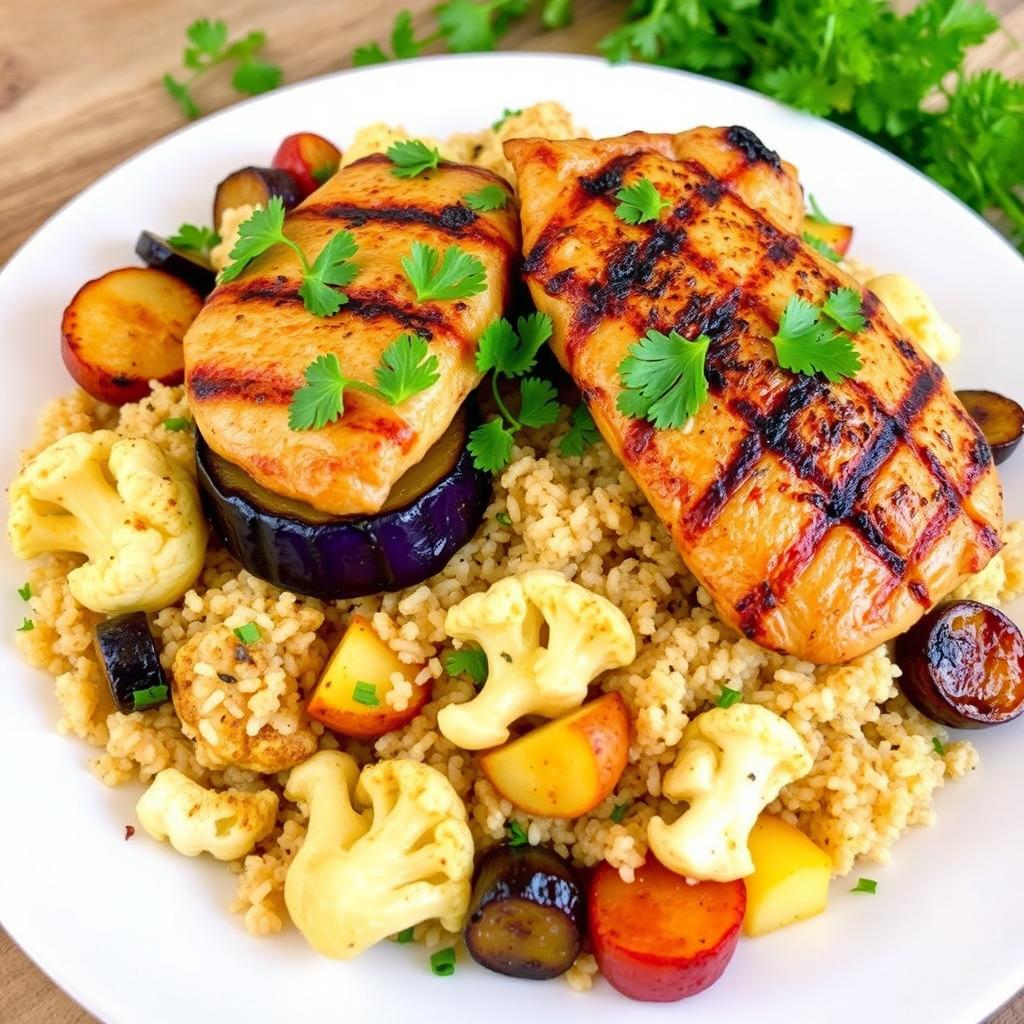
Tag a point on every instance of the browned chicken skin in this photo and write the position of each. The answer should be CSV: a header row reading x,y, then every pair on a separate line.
x,y
822,518
246,353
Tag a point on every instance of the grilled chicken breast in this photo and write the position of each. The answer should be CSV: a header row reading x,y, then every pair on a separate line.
x,y
822,518
246,353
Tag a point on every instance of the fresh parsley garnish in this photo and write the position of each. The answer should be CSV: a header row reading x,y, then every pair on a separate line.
x,y
865,885
505,115
442,963
404,43
176,423
503,519
248,633
411,157
207,47
27,625
150,697
490,197
406,368
728,696
938,746
507,351
516,834
807,340
663,379
619,812
366,694
455,275
582,433
195,239
25,592
820,245
467,661
640,202
332,269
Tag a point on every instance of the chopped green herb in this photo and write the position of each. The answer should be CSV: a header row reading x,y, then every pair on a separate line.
x,y
26,626
516,834
640,203
490,444
25,592
490,197
195,238
406,368
404,936
404,43
175,423
412,157
442,963
506,114
455,275
149,698
728,697
467,661
366,693
582,433
504,519
865,885
938,745
822,246
663,379
249,633
803,344
619,812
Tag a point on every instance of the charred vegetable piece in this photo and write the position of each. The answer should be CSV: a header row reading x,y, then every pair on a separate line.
x,y
157,252
1001,420
253,186
310,159
963,666
131,662
125,329
433,509
527,915
659,939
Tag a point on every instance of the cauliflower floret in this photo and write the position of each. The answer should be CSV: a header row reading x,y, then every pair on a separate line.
x,y
362,877
198,820
732,762
272,731
133,512
231,221
911,307
587,635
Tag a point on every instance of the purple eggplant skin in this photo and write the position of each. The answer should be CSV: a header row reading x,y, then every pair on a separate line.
x,y
350,556
131,662
527,915
157,252
254,186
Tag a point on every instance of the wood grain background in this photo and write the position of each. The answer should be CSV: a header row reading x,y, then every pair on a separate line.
x,y
80,91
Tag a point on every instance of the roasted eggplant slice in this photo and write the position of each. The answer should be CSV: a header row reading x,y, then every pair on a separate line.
x,y
963,666
254,186
1001,420
432,510
192,269
131,662
527,915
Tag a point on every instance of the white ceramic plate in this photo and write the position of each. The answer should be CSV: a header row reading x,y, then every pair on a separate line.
x,y
138,933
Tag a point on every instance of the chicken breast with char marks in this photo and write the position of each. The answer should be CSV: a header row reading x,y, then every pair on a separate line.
x,y
823,518
247,352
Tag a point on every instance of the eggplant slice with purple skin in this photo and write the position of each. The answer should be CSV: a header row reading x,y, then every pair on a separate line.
x,y
131,662
157,252
1001,420
432,511
527,914
254,186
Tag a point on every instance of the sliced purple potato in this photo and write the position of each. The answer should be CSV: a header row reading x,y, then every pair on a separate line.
x,y
432,511
254,186
191,268
1001,420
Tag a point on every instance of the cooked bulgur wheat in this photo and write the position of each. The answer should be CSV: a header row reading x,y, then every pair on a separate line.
x,y
876,769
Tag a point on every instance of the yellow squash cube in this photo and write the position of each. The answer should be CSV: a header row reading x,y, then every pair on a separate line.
x,y
790,879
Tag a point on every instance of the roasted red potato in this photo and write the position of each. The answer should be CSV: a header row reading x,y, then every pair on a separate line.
x,y
351,696
124,329
1001,420
310,159
254,186
836,236
963,666
658,939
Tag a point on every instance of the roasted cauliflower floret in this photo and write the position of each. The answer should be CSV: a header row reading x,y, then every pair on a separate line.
x,y
198,820
133,512
910,306
587,635
236,707
732,762
361,877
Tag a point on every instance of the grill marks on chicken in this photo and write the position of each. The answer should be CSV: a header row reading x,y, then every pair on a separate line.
x,y
822,517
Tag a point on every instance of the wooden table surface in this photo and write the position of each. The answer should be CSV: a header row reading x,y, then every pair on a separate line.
x,y
80,92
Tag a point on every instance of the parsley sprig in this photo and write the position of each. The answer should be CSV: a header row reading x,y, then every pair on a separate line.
x,y
411,157
207,47
332,269
663,379
808,340
455,275
511,352
406,368
582,433
490,197
467,661
640,202
195,238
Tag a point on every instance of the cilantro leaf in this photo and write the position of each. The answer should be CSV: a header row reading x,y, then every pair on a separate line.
x,y
513,351
467,25
332,267
467,661
843,307
207,36
663,379
195,238
253,77
582,433
556,13
179,92
371,53
490,197
539,402
25,592
404,43
868,885
459,275
490,444
640,203
412,157
505,115
820,245
263,230
321,400
406,368
804,345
